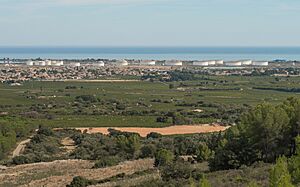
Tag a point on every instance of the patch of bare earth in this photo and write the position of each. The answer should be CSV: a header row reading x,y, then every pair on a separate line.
x,y
68,144
172,130
60,173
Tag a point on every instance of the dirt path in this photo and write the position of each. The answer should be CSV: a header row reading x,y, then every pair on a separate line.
x,y
20,148
172,130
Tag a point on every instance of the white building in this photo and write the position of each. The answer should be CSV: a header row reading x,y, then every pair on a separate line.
x,y
260,63
233,63
147,63
200,63
173,63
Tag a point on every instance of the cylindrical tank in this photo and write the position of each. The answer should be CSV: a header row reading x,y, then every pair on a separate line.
x,y
61,63
29,63
147,63
219,62
100,64
55,63
42,63
260,63
212,62
173,63
75,64
233,63
48,63
200,63
121,63
36,63
246,62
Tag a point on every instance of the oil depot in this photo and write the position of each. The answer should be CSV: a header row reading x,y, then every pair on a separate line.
x,y
173,63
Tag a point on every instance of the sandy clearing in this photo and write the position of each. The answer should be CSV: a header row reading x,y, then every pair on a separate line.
x,y
172,130
20,148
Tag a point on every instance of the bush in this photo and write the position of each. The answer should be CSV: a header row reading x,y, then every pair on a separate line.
x,y
163,119
80,182
148,151
154,135
163,157
107,162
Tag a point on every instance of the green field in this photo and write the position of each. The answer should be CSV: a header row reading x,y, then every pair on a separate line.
x,y
52,103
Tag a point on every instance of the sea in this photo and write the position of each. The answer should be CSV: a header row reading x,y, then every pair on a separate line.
x,y
153,53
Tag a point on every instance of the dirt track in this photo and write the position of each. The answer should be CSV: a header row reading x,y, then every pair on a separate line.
x,y
180,129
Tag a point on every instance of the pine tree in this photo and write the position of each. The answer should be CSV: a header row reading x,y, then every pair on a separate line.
x,y
279,174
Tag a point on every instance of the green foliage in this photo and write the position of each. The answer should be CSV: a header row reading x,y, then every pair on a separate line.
x,y
107,162
80,182
204,153
163,157
148,151
294,163
253,184
279,174
204,182
265,133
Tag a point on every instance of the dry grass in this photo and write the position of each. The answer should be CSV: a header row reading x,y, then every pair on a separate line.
x,y
61,173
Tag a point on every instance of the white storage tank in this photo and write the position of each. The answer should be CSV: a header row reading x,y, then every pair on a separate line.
x,y
29,63
48,63
147,63
121,63
36,63
61,63
246,62
219,62
42,63
200,63
212,62
100,64
55,63
260,63
173,63
75,64
233,63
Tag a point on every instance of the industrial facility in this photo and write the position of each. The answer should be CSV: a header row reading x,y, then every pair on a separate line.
x,y
44,63
173,63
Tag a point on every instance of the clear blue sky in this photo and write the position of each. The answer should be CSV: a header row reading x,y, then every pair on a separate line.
x,y
150,22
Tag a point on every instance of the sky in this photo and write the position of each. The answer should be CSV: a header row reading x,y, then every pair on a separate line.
x,y
149,23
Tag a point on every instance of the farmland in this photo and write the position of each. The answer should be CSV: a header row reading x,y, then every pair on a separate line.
x,y
134,104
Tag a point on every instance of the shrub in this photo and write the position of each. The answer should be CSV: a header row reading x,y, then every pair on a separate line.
x,y
106,162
